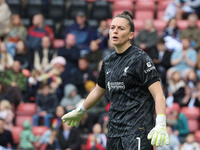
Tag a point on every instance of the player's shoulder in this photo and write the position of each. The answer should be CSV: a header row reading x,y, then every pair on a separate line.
x,y
138,53
108,57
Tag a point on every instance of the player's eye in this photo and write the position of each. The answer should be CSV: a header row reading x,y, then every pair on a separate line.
x,y
112,27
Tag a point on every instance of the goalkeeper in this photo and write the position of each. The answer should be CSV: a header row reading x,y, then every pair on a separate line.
x,y
129,77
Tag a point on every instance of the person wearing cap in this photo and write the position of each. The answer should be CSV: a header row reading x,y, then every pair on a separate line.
x,y
81,30
53,75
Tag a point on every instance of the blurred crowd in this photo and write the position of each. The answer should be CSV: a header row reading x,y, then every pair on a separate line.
x,y
56,80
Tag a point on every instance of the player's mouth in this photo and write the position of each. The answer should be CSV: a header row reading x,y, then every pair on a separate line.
x,y
114,38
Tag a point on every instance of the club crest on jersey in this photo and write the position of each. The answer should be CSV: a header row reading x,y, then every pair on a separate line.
x,y
148,64
125,71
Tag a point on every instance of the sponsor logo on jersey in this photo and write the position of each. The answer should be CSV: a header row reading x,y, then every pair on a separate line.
x,y
149,69
115,85
125,71
148,64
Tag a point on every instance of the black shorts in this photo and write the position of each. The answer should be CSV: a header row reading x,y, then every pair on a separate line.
x,y
130,142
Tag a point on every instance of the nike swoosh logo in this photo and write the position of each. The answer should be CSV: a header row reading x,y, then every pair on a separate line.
x,y
108,72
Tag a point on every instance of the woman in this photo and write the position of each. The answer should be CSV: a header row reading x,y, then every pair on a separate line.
x,y
13,33
6,60
171,35
22,55
130,78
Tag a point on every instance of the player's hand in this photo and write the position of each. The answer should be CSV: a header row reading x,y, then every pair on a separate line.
x,y
74,117
158,134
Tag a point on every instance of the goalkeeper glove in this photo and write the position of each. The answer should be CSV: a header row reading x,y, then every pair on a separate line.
x,y
158,134
74,117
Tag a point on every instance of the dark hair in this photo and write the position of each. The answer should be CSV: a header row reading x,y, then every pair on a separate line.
x,y
160,41
1,119
44,85
3,89
129,17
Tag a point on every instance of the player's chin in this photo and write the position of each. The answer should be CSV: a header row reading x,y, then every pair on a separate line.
x,y
115,43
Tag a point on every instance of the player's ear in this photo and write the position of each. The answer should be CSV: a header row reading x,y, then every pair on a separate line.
x,y
131,35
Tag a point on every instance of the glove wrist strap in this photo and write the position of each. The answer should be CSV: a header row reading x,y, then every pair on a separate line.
x,y
81,109
161,118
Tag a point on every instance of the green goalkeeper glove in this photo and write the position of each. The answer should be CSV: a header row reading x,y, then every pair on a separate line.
x,y
158,134
74,117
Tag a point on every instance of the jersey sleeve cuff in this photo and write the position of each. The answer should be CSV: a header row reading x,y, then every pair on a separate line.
x,y
155,79
101,85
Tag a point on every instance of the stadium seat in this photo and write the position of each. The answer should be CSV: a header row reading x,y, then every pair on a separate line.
x,y
175,106
139,24
56,10
191,113
193,125
198,24
19,120
93,23
160,25
144,10
100,10
15,6
75,7
43,147
26,109
63,27
162,5
109,22
197,136
182,24
116,12
39,130
26,22
34,7
16,130
123,5
57,43
50,23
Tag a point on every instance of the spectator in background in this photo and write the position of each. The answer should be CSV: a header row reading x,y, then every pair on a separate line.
x,y
97,139
94,56
5,136
53,75
6,60
190,143
175,89
36,32
68,138
81,30
147,38
71,98
14,32
46,104
5,15
6,114
186,7
192,91
22,54
15,82
192,32
198,65
56,124
81,76
3,93
184,60
101,34
33,84
71,53
161,58
44,55
174,141
53,141
107,51
171,35
181,125
27,137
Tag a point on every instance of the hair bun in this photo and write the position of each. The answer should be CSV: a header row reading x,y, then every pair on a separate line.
x,y
127,13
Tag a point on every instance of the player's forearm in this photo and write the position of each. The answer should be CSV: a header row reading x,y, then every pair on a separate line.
x,y
160,104
94,97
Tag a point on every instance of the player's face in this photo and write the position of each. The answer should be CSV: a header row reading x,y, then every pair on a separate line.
x,y
120,31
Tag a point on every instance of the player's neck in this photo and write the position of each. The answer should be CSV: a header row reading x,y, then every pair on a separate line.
x,y
122,48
